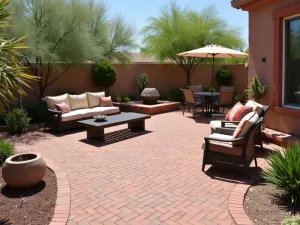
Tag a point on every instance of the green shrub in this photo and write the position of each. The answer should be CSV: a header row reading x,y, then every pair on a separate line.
x,y
37,111
239,98
104,74
291,221
284,172
209,89
175,95
224,77
126,99
17,121
7,149
256,89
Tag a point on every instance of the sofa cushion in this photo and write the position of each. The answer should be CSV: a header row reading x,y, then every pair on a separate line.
x,y
63,107
237,112
78,101
72,115
106,101
106,110
94,98
51,101
256,106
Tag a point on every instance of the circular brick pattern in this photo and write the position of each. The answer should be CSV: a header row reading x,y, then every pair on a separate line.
x,y
63,201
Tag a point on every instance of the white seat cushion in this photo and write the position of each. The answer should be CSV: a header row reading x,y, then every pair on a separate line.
x,y
106,110
217,123
73,115
78,101
94,98
51,101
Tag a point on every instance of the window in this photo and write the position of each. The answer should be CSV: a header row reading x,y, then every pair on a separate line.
x,y
291,88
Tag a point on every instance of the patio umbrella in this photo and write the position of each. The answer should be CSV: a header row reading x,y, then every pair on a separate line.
x,y
214,51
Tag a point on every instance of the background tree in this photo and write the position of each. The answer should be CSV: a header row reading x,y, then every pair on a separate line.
x,y
11,69
69,31
104,75
178,29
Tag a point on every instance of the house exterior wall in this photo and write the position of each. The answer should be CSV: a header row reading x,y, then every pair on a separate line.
x,y
265,41
164,77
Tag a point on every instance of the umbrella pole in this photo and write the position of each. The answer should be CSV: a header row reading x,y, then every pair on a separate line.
x,y
213,71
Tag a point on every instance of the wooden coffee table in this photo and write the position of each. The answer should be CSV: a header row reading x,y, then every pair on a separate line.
x,y
95,130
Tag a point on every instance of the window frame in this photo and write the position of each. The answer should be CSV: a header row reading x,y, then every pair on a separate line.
x,y
284,59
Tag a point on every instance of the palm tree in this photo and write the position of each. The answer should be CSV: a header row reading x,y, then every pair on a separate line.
x,y
12,77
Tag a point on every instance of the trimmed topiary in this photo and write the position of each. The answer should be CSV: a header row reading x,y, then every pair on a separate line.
x,y
7,149
104,74
284,172
224,77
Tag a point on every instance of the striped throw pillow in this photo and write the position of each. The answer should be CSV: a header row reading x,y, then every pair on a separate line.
x,y
238,112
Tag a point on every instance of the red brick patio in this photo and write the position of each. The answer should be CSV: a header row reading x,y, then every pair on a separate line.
x,y
153,178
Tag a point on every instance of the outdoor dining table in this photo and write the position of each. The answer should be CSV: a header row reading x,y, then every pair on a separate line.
x,y
209,98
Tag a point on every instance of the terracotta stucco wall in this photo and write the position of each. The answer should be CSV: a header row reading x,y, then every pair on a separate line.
x,y
164,77
261,44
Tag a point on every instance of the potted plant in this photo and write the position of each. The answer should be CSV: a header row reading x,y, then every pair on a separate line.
x,y
142,81
256,90
24,170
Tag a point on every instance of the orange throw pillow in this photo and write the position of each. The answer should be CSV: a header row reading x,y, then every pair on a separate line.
x,y
238,112
106,101
63,107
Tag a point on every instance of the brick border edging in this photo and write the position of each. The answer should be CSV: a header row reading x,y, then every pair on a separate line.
x,y
236,204
63,200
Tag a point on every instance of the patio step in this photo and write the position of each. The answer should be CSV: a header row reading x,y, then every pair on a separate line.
x,y
279,137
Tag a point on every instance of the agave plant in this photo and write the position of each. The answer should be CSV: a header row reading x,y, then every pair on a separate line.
x,y
284,171
12,77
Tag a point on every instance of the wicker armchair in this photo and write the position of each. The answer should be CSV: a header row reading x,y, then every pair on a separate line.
x,y
221,148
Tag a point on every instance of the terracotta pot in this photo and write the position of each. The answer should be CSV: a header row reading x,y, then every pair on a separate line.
x,y
24,170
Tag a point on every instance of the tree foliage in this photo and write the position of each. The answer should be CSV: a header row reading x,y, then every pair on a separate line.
x,y
178,29
11,69
69,31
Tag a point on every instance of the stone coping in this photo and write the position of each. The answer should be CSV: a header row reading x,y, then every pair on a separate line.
x,y
63,200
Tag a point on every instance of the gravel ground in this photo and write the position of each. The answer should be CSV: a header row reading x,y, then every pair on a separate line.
x,y
30,206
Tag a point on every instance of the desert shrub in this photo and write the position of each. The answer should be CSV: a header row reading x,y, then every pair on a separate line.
x,y
7,149
224,77
175,95
104,74
37,111
239,98
256,90
142,81
284,172
17,121
292,221
126,99
209,89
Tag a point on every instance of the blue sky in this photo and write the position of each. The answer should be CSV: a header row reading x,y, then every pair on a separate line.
x,y
137,12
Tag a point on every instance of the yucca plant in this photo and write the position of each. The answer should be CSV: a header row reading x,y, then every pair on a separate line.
x,y
292,221
12,77
284,172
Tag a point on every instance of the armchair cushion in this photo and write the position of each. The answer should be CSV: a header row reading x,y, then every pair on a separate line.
x,y
218,123
51,101
256,106
224,147
94,98
246,123
78,101
237,112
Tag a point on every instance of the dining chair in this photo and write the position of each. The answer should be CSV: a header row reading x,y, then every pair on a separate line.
x,y
226,97
195,88
190,100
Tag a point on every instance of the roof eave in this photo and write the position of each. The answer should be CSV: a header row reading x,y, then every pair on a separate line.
x,y
239,4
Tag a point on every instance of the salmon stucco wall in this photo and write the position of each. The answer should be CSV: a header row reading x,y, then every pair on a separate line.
x,y
261,45
163,77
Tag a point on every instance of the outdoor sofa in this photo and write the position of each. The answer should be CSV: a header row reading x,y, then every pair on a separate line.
x,y
81,106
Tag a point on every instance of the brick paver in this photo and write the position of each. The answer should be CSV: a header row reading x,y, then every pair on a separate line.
x,y
153,178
